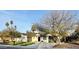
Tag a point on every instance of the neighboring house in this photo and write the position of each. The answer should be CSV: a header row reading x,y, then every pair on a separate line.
x,y
36,37
23,38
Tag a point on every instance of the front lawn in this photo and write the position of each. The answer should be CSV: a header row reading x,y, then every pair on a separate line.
x,y
27,43
21,43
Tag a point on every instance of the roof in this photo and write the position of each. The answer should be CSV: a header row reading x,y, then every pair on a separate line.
x,y
30,34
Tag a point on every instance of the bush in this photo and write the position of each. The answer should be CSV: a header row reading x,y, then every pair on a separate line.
x,y
14,43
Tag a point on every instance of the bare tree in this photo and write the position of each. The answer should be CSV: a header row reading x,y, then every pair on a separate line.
x,y
59,23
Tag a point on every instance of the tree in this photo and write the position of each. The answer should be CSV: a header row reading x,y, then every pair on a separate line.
x,y
33,27
15,27
12,32
11,29
42,29
11,22
7,24
59,23
76,33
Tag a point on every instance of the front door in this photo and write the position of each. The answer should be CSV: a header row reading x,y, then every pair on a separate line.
x,y
38,39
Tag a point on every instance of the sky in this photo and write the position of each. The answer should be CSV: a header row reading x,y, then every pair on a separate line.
x,y
23,19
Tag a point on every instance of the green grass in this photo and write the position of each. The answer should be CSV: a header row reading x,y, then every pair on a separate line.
x,y
21,43
27,43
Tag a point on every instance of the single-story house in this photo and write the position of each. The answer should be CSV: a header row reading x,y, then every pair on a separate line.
x,y
37,37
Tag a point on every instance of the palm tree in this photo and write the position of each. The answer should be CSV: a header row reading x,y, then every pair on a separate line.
x,y
11,23
15,27
7,24
11,31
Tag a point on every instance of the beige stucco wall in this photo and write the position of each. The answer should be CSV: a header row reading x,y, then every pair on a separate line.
x,y
34,39
1,40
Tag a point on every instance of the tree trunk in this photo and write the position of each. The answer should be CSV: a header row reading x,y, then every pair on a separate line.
x,y
58,40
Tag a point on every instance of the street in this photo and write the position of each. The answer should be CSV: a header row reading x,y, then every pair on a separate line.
x,y
40,45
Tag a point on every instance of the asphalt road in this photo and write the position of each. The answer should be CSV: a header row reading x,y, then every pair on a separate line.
x,y
40,45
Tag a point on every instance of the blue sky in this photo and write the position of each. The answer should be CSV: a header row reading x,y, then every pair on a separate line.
x,y
23,19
